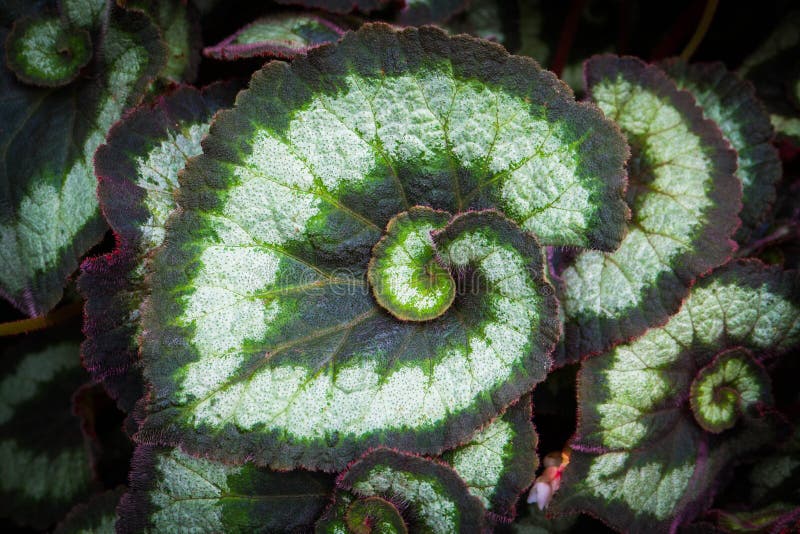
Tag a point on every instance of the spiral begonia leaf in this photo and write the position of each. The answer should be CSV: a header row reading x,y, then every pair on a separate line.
x,y
95,516
406,276
499,461
49,214
640,460
45,51
171,490
684,199
262,339
731,384
44,464
732,104
282,36
429,496
137,169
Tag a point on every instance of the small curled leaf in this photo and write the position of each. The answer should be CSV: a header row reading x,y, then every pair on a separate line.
x,y
44,51
427,496
725,388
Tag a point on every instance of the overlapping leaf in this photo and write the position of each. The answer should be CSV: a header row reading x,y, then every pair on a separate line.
x,y
180,33
170,489
641,458
282,36
684,198
262,339
138,171
96,516
44,464
419,12
340,6
499,461
732,104
774,70
48,210
397,492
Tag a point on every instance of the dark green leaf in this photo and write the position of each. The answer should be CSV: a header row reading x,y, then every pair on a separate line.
x,y
49,215
684,198
44,463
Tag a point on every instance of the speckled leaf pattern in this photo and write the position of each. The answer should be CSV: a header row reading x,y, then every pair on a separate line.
x,y
429,496
499,461
49,215
419,12
641,460
262,339
732,104
41,478
96,516
282,36
171,490
137,169
684,198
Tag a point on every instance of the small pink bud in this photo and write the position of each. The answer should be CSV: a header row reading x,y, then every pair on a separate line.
x,y
543,494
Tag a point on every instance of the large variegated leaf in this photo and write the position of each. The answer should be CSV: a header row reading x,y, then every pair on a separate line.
x,y
262,338
137,170
48,210
732,104
396,492
44,463
684,198
172,491
660,417
284,36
